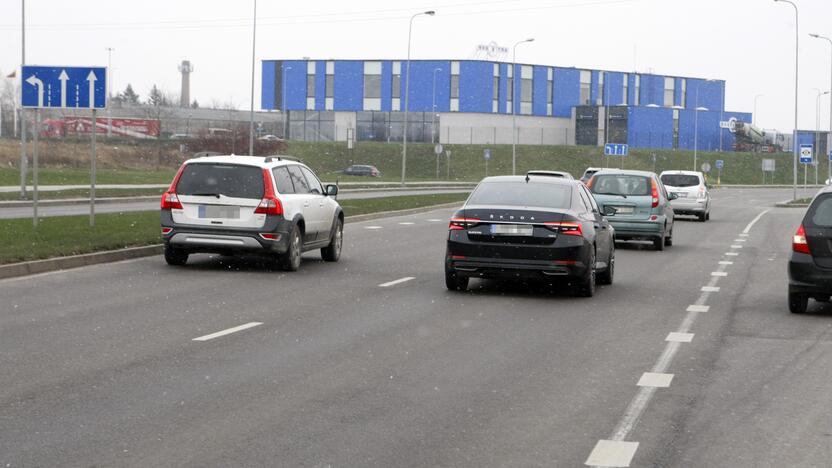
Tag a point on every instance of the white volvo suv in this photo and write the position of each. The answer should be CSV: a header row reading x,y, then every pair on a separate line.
x,y
270,205
693,197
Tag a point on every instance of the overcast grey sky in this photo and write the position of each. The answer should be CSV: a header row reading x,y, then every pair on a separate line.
x,y
748,43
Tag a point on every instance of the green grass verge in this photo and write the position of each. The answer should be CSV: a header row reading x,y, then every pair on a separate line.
x,y
74,176
72,235
83,193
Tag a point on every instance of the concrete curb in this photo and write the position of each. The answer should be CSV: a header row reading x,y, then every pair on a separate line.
x,y
75,261
786,204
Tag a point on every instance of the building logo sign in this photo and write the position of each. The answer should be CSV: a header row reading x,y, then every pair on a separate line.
x,y
492,49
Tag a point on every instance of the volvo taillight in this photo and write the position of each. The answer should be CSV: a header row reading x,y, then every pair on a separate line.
x,y
799,243
461,223
270,204
170,201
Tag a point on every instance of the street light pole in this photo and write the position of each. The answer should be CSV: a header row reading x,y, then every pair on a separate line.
x,y
433,109
407,90
796,82
817,132
754,115
109,91
514,104
23,159
251,109
828,137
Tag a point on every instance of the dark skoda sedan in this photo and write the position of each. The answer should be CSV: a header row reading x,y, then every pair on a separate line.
x,y
530,227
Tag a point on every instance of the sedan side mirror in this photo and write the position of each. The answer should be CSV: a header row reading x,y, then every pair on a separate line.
x,y
331,190
610,210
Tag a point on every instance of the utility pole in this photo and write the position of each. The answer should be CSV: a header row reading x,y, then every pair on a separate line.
x,y
109,88
251,115
23,159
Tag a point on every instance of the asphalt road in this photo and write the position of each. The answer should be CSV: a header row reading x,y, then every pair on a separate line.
x,y
130,206
100,368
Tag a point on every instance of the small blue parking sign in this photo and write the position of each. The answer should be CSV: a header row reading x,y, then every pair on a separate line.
x,y
830,155
720,163
806,154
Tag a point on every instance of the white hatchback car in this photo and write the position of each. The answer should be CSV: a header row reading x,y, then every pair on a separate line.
x,y
250,204
693,197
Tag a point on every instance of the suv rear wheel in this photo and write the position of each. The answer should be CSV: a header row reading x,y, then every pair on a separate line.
x,y
290,261
455,282
798,302
174,256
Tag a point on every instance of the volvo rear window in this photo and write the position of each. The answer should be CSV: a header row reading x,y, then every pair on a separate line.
x,y
621,184
820,213
231,180
523,193
680,180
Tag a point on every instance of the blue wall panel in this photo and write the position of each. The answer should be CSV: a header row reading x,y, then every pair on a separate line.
x,y
708,131
320,85
421,85
386,85
614,89
650,127
476,87
294,83
567,83
677,93
539,90
267,97
349,85
710,94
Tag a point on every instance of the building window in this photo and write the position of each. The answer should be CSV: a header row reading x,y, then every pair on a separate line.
x,y
637,95
310,85
372,85
495,95
329,86
669,91
586,83
599,101
684,92
550,91
454,86
675,128
396,84
526,89
510,87
626,95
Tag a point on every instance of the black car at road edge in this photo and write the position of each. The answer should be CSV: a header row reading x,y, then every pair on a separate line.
x,y
810,264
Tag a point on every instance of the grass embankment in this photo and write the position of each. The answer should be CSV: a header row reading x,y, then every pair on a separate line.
x,y
149,162
72,235
84,193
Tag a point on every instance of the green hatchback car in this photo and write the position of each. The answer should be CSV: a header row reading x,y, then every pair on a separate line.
x,y
641,204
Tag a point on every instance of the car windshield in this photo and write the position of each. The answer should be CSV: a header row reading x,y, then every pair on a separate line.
x,y
231,180
621,184
680,180
522,193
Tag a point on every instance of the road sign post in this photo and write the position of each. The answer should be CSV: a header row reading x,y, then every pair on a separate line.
x,y
486,154
719,163
438,151
448,163
58,87
806,158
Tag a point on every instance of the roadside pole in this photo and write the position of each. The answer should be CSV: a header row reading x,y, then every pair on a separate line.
x,y
92,168
448,165
35,169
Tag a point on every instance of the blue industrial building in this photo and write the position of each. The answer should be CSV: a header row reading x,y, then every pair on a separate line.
x,y
468,101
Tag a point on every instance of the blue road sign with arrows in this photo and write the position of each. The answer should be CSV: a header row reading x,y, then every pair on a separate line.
x,y
616,149
64,87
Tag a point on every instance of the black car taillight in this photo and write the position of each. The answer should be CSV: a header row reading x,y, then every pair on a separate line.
x,y
459,224
567,228
799,243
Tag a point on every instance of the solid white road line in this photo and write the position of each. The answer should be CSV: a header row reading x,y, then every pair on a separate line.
x,y
395,282
373,227
612,453
725,262
732,254
710,289
655,379
228,331
679,337
698,308
754,221
719,273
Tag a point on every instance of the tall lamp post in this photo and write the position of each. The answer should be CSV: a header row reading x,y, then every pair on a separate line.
x,y
407,89
514,104
283,98
23,159
829,137
817,131
754,115
251,112
796,76
109,91
433,108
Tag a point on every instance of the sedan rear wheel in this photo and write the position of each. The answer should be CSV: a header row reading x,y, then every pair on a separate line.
x,y
606,276
586,288
798,302
455,282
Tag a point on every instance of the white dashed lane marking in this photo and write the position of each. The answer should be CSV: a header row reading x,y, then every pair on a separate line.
x,y
698,308
435,220
732,254
725,262
612,453
395,282
736,246
710,289
373,227
719,273
655,379
679,337
228,331
406,223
